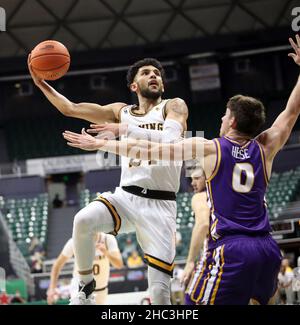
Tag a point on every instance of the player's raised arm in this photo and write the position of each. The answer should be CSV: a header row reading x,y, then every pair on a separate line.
x,y
274,138
87,111
186,149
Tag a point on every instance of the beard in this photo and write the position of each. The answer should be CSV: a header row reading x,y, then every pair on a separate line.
x,y
149,94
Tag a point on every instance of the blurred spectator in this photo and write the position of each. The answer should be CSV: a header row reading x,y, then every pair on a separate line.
x,y
37,255
178,238
134,260
129,247
4,298
296,281
36,246
57,202
36,264
285,278
17,298
179,244
177,290
2,202
16,169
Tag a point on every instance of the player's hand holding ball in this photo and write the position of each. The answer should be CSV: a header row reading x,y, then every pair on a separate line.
x,y
49,60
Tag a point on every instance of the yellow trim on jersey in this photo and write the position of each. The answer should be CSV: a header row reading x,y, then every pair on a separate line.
x,y
236,142
214,236
192,296
113,212
120,113
218,160
214,294
207,278
156,107
264,163
135,114
213,226
163,266
246,145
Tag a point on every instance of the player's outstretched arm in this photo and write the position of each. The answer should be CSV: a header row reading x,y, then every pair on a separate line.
x,y
276,136
87,111
186,149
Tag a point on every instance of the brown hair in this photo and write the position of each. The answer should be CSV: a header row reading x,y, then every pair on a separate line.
x,y
249,114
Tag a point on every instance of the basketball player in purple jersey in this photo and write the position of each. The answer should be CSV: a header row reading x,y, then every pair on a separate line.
x,y
242,260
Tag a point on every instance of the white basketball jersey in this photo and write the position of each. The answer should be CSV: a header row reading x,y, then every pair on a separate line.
x,y
153,175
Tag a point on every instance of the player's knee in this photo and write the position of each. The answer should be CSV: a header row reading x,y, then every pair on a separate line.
x,y
159,294
83,223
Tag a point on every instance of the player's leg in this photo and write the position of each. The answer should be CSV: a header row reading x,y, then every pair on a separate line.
x,y
272,301
74,287
93,218
159,287
269,260
226,277
155,231
101,297
104,214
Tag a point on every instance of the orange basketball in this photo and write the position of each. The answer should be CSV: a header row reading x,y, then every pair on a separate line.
x,y
50,60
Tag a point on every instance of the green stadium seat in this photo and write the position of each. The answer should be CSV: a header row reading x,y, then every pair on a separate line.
x,y
283,188
27,218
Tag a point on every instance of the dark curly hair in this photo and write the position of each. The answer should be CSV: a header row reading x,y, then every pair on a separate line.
x,y
133,70
249,114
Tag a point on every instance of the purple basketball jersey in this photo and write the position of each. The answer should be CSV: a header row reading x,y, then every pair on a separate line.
x,y
242,260
236,190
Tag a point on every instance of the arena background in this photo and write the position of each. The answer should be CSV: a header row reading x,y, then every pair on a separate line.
x,y
211,50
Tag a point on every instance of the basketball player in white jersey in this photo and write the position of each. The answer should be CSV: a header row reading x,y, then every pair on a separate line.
x,y
107,252
145,202
201,225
